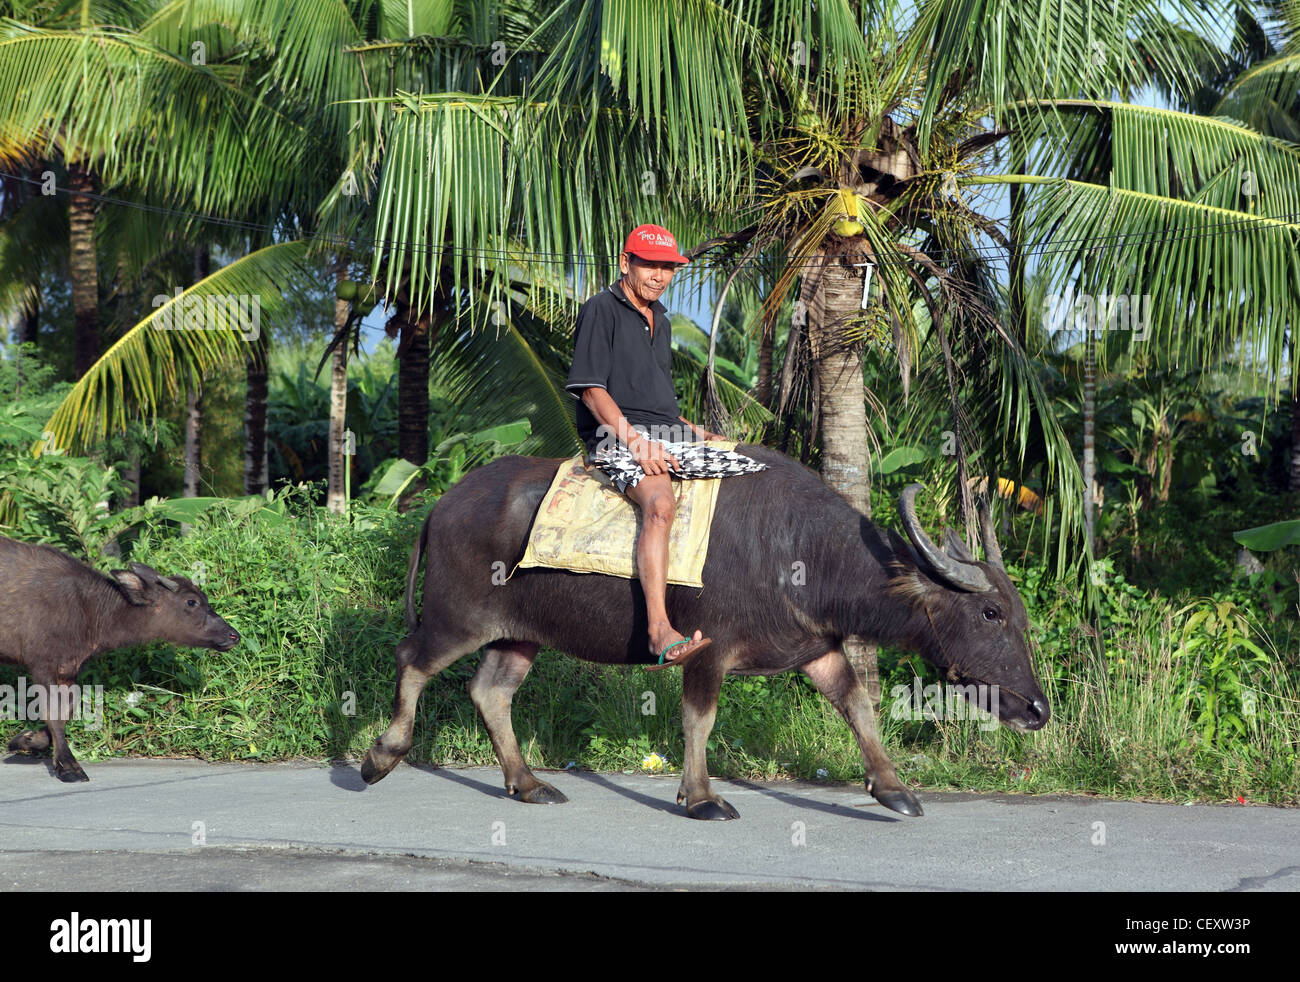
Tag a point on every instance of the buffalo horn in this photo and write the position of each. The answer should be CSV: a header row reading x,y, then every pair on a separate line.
x,y
170,584
992,551
964,576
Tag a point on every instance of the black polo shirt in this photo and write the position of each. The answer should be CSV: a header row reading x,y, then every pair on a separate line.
x,y
613,349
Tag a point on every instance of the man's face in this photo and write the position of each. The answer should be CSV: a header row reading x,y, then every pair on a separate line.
x,y
645,278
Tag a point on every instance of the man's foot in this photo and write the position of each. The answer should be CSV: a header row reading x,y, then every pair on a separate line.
x,y
680,650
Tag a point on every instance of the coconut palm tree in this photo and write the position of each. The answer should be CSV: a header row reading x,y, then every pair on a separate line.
x,y
310,62
486,184
175,137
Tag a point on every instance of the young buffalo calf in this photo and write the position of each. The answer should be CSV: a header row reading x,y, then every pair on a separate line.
x,y
57,613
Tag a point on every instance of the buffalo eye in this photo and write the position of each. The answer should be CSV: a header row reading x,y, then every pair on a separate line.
x,y
992,614
191,602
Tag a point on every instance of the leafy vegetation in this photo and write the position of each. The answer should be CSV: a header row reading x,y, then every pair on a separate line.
x,y
839,165
1194,698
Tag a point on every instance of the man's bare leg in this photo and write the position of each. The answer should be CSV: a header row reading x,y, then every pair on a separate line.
x,y
654,496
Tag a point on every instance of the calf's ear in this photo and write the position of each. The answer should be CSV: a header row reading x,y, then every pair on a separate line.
x,y
133,587
147,574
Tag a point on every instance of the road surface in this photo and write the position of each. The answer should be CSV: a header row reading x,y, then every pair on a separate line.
x,y
189,825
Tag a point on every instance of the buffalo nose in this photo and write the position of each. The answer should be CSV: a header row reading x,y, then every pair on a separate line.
x,y
1040,709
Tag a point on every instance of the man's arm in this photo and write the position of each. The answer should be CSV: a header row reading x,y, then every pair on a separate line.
x,y
592,360
700,431
648,453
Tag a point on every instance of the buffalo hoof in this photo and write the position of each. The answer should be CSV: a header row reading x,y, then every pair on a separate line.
x,y
543,794
377,765
70,773
30,742
903,802
712,810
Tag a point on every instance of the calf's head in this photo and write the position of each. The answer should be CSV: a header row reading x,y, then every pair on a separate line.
x,y
178,611
971,622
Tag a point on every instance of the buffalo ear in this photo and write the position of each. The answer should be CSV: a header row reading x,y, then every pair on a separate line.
x,y
133,587
904,554
907,579
955,547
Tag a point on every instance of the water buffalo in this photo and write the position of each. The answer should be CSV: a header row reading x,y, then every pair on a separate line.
x,y
792,570
57,613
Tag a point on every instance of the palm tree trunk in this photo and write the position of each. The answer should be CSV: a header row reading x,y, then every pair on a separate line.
x,y
131,476
193,442
837,366
336,499
837,362
763,390
83,269
255,398
1089,431
29,318
194,401
412,385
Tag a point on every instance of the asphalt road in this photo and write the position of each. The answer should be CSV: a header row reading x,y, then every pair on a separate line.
x,y
186,825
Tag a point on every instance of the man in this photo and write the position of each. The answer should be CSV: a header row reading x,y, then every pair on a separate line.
x,y
630,421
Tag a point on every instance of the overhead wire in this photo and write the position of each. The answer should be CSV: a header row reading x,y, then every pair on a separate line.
x,y
570,259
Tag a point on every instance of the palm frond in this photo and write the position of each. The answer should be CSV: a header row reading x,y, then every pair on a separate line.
x,y
192,332
674,67
512,364
997,52
1195,220
1197,279
749,419
302,40
1267,97
140,112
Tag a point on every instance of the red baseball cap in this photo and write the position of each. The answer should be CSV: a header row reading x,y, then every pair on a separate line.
x,y
654,243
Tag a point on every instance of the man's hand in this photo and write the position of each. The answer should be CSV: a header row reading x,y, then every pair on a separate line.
x,y
652,456
700,432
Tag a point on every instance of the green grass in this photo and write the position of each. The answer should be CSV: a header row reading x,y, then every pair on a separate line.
x,y
1190,702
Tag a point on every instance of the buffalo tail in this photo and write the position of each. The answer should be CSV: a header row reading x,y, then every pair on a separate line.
x,y
413,573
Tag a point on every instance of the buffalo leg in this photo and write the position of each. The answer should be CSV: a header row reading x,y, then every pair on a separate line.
x,y
500,673
58,710
701,683
835,679
413,672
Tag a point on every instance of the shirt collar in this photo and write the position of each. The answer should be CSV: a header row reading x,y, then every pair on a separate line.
x,y
617,290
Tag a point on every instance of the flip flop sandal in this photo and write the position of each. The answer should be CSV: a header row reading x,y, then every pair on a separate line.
x,y
702,644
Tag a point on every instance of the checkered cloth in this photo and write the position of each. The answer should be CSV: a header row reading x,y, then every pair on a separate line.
x,y
696,459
